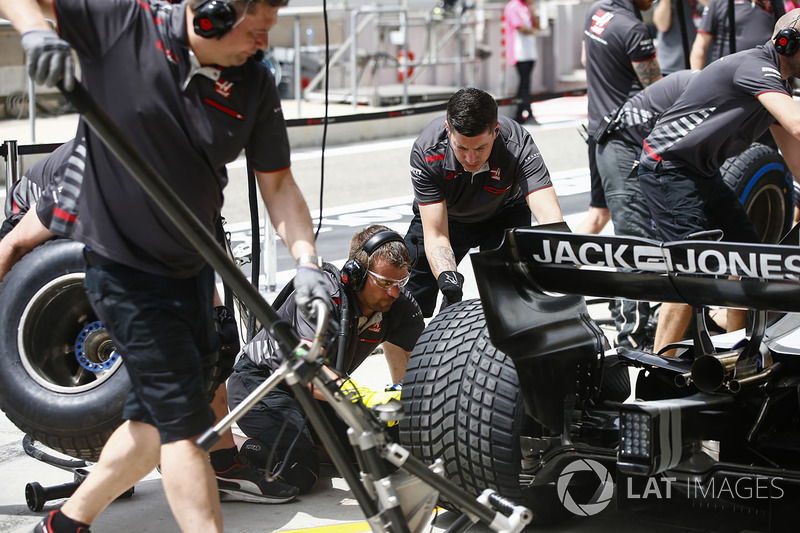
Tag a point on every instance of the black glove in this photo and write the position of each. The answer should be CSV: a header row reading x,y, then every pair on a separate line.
x,y
49,58
450,283
228,333
309,285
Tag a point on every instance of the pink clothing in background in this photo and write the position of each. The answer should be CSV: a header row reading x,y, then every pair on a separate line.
x,y
515,14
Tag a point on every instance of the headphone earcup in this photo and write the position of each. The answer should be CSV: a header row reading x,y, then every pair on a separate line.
x,y
787,41
214,18
354,275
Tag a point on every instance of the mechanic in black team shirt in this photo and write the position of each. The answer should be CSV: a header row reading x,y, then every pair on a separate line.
x,y
380,311
723,109
474,175
185,85
617,159
620,60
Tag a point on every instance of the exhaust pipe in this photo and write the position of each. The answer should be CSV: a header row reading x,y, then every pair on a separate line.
x,y
683,380
710,372
736,384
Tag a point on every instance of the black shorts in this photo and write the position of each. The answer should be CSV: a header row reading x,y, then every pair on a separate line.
x,y
163,328
682,204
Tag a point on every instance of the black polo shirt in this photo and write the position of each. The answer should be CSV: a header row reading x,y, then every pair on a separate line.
x,y
718,115
639,114
614,36
755,22
515,170
401,326
187,123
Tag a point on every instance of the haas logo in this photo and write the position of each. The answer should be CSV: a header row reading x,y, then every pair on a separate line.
x,y
224,88
599,21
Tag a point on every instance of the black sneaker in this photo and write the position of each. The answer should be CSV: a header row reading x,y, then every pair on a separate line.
x,y
45,526
243,482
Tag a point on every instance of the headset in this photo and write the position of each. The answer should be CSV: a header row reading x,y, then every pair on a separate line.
x,y
354,273
788,40
214,18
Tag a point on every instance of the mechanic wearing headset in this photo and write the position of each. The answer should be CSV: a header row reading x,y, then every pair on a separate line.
x,y
370,295
474,175
185,85
42,205
729,104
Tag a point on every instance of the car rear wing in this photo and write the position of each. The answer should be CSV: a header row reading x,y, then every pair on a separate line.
x,y
692,272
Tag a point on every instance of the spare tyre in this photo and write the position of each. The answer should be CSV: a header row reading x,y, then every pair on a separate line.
x,y
462,405
61,380
763,183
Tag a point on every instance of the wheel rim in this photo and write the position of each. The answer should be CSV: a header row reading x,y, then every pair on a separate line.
x,y
767,212
54,320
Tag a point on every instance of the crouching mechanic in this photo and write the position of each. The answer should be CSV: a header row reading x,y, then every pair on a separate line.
x,y
474,175
370,290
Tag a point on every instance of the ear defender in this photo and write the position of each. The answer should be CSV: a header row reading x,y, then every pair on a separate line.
x,y
214,18
354,273
788,39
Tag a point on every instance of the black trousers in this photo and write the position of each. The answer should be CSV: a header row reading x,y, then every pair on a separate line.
x,y
486,235
524,69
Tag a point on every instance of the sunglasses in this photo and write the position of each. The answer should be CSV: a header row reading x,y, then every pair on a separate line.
x,y
387,283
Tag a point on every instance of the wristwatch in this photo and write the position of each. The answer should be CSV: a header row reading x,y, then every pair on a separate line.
x,y
309,259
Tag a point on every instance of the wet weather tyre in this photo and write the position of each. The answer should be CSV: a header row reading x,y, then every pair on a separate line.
x,y
46,324
761,180
462,405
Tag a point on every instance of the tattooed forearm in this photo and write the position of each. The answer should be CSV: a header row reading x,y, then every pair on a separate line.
x,y
443,259
648,72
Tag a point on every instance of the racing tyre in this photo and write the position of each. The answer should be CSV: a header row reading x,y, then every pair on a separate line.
x,y
62,382
462,405
763,183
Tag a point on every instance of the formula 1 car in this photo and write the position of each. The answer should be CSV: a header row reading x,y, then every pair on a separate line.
x,y
520,393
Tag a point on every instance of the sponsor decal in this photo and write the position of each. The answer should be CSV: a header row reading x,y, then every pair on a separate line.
x,y
496,174
375,327
709,258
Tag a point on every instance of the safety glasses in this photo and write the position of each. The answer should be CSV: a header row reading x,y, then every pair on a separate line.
x,y
387,283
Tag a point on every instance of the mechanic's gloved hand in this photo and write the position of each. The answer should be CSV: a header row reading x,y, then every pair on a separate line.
x,y
49,58
309,285
450,283
225,321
